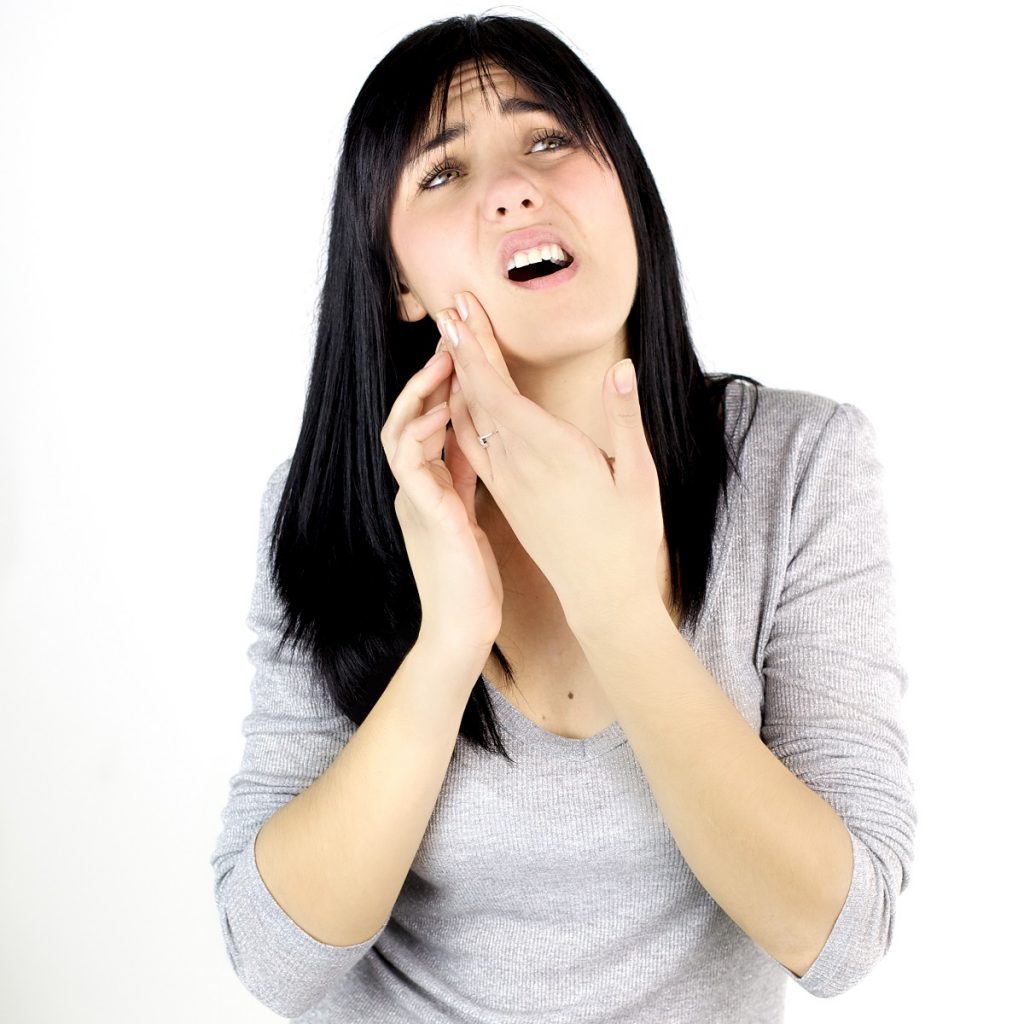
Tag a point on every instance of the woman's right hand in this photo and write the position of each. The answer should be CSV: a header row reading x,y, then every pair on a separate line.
x,y
451,558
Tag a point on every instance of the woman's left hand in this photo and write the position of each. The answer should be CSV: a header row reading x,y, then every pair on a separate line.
x,y
593,528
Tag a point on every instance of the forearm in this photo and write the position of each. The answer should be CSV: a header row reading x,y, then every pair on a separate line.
x,y
336,856
768,849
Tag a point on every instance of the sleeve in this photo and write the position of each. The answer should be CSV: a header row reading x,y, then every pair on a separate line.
x,y
833,682
291,738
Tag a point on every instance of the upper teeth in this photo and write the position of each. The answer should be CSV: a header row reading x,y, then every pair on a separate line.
x,y
544,252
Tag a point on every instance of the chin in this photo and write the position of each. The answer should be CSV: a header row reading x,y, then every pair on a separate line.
x,y
531,331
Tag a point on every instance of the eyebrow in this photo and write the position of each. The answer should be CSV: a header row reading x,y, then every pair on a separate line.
x,y
510,106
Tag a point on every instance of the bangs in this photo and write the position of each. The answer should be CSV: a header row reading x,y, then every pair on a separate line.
x,y
427,112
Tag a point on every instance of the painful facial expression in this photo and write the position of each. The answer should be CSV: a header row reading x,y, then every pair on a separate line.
x,y
457,205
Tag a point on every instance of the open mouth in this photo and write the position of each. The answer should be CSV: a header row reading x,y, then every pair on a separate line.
x,y
542,269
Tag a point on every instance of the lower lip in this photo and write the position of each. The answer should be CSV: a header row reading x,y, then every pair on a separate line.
x,y
551,281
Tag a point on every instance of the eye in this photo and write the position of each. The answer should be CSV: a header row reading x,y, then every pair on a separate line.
x,y
544,135
437,169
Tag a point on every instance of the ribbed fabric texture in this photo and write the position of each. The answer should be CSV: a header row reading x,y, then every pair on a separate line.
x,y
552,890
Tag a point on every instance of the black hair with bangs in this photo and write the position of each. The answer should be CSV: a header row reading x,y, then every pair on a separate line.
x,y
337,558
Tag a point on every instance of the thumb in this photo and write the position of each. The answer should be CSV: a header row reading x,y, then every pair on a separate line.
x,y
622,407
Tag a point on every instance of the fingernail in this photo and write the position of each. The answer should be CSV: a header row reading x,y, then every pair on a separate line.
x,y
433,359
452,331
456,386
624,376
460,301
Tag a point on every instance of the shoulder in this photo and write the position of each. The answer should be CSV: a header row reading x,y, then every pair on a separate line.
x,y
276,480
274,487
783,426
271,499
793,445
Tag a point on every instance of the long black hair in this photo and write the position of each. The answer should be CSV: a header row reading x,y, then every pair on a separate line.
x,y
338,556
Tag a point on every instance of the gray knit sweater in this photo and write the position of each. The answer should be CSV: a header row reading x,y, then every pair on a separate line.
x,y
552,890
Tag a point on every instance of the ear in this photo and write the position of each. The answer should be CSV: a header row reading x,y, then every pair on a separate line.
x,y
409,307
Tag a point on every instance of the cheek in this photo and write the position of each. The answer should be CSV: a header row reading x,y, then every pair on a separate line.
x,y
606,213
626,235
616,235
424,253
623,273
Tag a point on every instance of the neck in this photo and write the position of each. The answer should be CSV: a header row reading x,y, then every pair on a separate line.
x,y
569,388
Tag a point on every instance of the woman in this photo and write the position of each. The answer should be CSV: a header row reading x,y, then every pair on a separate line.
x,y
487,776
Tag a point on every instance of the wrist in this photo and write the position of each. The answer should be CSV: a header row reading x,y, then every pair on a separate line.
x,y
596,621
463,655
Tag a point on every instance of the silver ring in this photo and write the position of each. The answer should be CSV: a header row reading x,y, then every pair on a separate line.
x,y
482,438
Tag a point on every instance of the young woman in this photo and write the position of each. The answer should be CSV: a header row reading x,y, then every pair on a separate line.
x,y
576,692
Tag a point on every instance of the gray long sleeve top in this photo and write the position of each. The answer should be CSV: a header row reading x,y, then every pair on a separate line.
x,y
551,890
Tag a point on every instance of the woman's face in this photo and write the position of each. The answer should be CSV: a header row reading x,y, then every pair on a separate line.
x,y
509,173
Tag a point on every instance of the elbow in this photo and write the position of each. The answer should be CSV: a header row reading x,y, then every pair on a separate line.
x,y
863,932
863,956
272,985
280,999
286,969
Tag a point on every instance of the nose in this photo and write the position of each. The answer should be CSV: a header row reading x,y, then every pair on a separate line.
x,y
526,203
510,192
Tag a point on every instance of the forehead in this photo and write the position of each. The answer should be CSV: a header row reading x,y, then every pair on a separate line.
x,y
471,86
503,95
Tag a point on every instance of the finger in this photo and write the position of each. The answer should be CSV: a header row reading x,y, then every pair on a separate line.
x,y
484,334
442,392
471,310
421,443
491,404
464,383
468,439
411,400
464,476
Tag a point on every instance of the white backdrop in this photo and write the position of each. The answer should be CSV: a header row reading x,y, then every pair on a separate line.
x,y
844,187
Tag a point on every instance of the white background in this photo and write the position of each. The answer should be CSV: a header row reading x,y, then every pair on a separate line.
x,y
843,182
